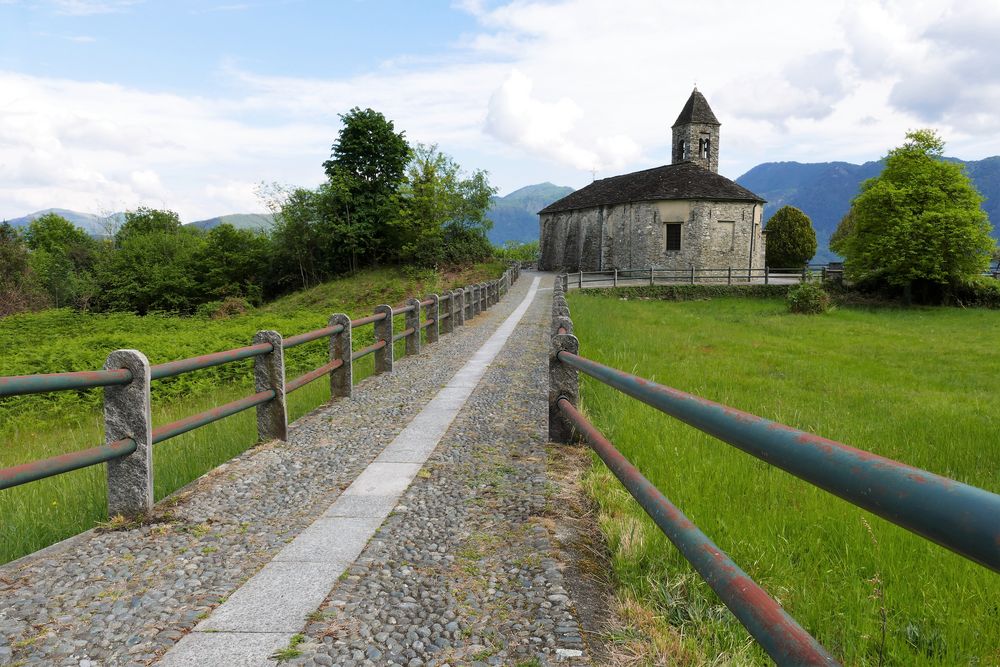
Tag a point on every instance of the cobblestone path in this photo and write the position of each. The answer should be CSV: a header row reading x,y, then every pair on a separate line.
x,y
462,572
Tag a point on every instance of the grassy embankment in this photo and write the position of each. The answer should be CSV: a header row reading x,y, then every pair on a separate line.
x,y
42,425
916,385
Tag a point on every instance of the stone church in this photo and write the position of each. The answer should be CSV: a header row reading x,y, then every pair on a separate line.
x,y
676,216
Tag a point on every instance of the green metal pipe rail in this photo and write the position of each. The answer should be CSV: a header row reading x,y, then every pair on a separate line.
x,y
957,516
56,465
960,517
778,633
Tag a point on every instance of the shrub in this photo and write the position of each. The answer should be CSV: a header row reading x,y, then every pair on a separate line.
x,y
808,299
980,291
791,240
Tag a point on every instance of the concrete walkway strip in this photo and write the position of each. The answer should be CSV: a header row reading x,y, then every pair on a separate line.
x,y
264,613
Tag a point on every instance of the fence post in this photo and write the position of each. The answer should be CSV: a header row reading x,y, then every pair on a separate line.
x,y
127,415
433,313
767,275
729,276
486,296
823,276
616,278
563,382
469,299
411,320
480,298
269,373
580,279
383,331
805,270
449,324
692,274
458,311
341,378
650,275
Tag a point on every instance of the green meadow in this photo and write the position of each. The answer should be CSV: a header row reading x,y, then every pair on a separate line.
x,y
38,426
919,385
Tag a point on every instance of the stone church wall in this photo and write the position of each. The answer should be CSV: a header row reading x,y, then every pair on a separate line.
x,y
633,235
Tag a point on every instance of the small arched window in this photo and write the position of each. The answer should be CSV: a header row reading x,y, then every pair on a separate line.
x,y
704,148
685,150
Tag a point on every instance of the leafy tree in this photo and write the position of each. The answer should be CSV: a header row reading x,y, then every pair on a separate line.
x,y
366,167
156,266
19,290
917,224
232,263
444,214
147,221
791,240
61,258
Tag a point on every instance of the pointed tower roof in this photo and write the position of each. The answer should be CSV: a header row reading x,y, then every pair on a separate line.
x,y
696,111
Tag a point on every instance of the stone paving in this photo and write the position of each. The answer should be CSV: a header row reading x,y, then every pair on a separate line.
x,y
460,573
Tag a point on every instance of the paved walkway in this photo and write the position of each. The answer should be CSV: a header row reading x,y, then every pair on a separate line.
x,y
430,549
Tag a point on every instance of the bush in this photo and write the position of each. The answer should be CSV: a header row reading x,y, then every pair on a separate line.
x,y
980,291
808,299
689,292
791,240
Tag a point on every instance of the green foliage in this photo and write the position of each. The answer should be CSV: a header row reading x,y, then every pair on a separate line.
x,y
791,240
62,256
19,288
810,551
918,223
515,251
366,169
808,299
443,217
980,291
145,221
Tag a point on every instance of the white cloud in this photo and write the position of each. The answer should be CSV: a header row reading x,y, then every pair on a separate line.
x,y
540,90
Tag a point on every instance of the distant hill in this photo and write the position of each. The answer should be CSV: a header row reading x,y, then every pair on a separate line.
x,y
515,216
254,221
89,222
824,190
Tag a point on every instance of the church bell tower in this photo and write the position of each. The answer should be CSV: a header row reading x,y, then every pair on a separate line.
x,y
696,134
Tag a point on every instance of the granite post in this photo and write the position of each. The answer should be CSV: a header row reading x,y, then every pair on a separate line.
x,y
433,313
383,332
458,296
341,378
127,415
563,383
269,374
412,321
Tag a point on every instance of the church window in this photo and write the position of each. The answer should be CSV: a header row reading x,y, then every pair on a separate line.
x,y
704,147
685,150
673,236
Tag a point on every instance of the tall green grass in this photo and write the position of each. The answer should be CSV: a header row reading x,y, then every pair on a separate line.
x,y
42,425
917,385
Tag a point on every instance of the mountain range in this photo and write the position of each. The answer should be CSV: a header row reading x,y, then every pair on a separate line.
x,y
822,190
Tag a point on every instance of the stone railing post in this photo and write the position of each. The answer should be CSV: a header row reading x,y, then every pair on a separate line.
x,y
412,321
476,300
563,383
127,415
269,373
729,276
341,378
383,331
616,278
458,298
483,303
560,321
469,299
433,313
445,308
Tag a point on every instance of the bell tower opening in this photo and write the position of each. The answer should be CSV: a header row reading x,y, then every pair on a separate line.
x,y
696,126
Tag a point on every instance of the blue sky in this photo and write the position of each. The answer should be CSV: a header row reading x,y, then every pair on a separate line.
x,y
111,104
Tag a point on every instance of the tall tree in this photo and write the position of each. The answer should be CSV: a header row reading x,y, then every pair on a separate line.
x,y
366,168
791,239
919,223
444,212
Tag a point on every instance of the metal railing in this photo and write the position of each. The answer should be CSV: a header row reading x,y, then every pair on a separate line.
x,y
127,408
957,516
693,275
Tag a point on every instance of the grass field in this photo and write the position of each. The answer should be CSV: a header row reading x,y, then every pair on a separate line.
x,y
42,425
918,385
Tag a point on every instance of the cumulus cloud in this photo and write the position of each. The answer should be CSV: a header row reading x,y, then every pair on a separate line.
x,y
544,128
